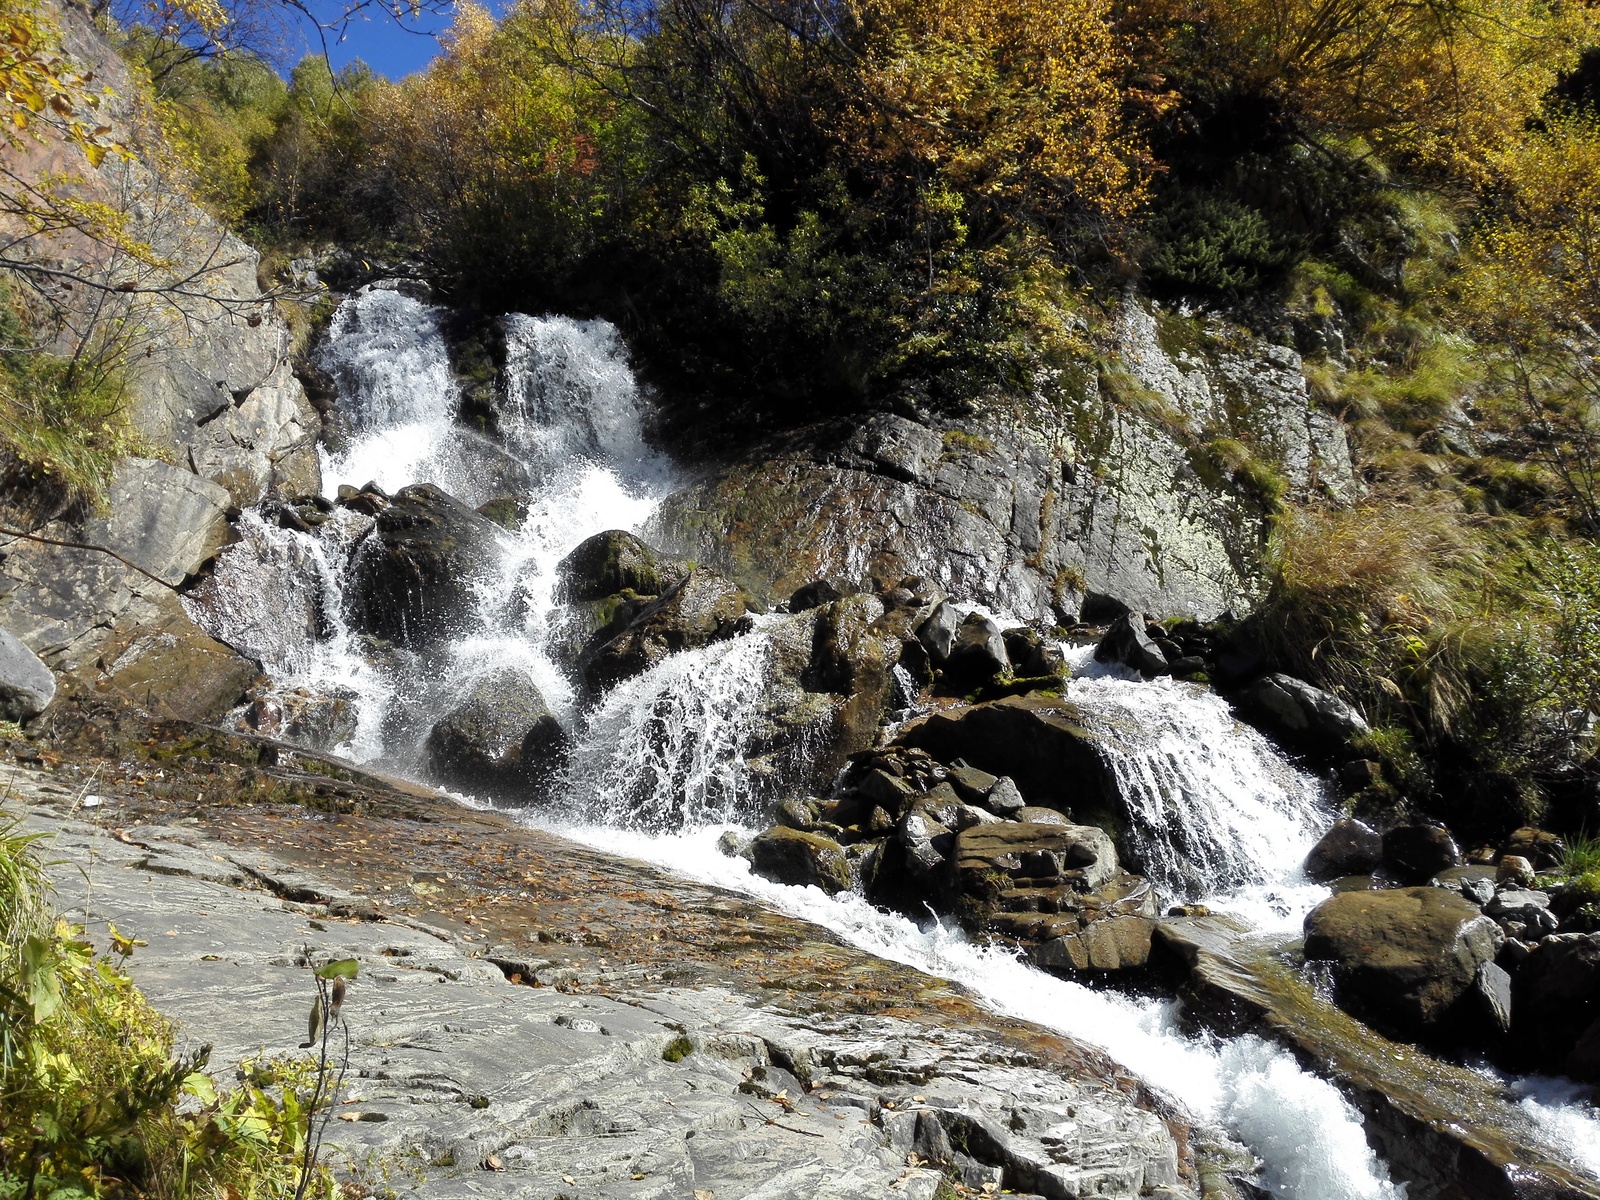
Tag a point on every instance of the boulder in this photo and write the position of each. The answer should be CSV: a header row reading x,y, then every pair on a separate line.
x,y
1543,849
1556,992
1038,815
1004,800
938,633
1515,870
1034,657
814,595
608,563
26,684
500,736
163,519
701,608
799,859
1402,958
973,785
1126,642
413,578
1300,716
1492,992
1416,853
1350,847
977,653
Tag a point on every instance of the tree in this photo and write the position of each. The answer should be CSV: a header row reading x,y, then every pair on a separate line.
x,y
1444,84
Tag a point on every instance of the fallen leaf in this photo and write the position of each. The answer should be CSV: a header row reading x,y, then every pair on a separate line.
x,y
703,1194
568,1179
493,1163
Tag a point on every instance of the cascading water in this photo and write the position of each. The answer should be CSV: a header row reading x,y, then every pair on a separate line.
x,y
1215,811
662,765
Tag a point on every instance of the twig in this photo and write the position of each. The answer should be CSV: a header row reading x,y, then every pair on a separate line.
x,y
39,537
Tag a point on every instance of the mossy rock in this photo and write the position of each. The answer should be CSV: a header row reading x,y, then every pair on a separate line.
x,y
609,563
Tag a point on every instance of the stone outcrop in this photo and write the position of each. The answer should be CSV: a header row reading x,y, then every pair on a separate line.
x,y
102,626
414,578
1402,958
625,1084
1031,509
163,519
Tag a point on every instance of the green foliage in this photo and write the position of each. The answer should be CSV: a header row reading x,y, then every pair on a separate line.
x,y
1582,858
678,1049
92,1102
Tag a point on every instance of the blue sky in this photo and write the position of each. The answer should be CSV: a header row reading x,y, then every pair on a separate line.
x,y
391,48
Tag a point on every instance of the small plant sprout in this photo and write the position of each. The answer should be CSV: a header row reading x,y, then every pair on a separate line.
x,y
331,979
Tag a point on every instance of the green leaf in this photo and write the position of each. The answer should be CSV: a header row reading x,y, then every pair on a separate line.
x,y
314,1022
39,971
198,1084
344,968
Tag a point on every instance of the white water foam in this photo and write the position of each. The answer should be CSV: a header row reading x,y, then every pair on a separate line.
x,y
1567,1113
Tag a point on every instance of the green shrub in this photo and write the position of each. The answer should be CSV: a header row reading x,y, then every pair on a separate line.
x,y
63,423
1215,243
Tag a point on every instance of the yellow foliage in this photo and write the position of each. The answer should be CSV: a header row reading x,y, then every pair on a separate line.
x,y
39,83
1015,101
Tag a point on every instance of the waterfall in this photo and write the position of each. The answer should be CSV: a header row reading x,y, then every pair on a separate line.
x,y
570,446
666,750
663,761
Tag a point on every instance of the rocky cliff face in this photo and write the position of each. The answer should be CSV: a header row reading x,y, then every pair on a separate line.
x,y
1146,488
211,392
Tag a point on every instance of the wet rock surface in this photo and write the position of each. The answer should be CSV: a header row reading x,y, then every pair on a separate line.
x,y
414,578
1454,1133
609,563
106,629
701,608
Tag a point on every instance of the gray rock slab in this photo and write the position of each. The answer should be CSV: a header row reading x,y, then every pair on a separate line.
x,y
571,1094
165,519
